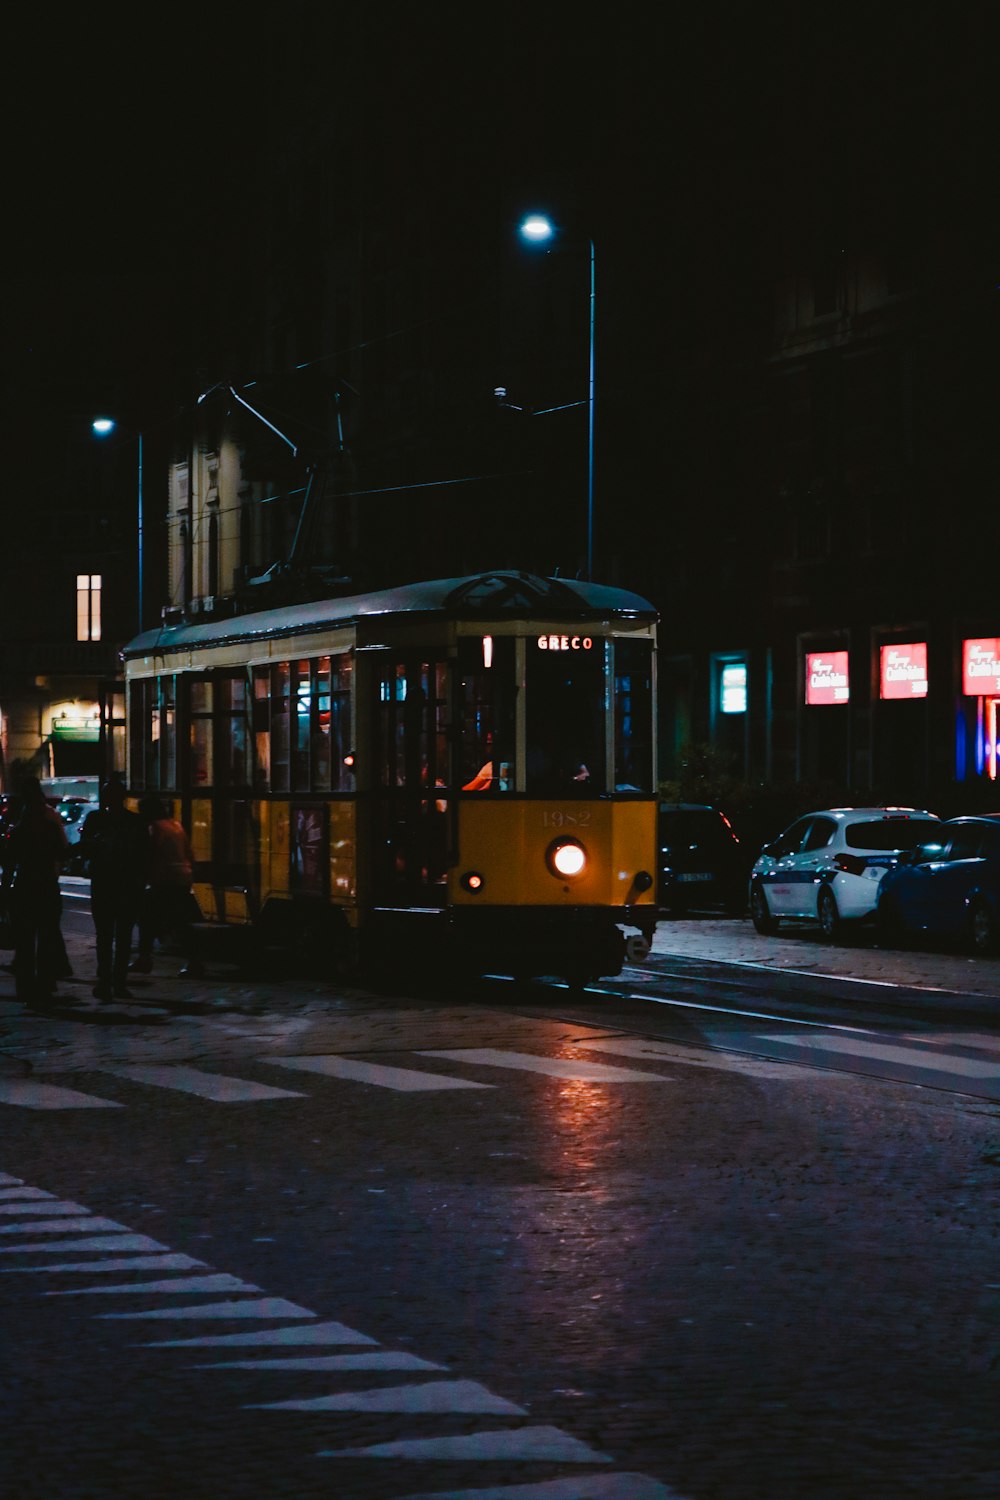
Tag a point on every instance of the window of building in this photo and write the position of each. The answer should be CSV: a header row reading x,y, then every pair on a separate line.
x,y
88,606
733,687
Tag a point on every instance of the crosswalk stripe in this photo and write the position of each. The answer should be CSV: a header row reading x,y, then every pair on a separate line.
x,y
974,1041
54,1206
95,1242
24,1194
69,1225
329,1362
914,1057
441,1397
297,1334
402,1080
222,1282
518,1445
220,1088
262,1307
586,1487
553,1067
30,1095
116,1263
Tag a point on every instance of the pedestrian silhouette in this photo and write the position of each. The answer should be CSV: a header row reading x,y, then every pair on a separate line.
x,y
168,908
36,847
114,843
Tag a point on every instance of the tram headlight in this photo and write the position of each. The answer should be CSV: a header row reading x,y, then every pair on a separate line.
x,y
471,881
566,858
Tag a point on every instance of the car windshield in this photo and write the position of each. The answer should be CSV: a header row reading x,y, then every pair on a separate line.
x,y
690,827
886,834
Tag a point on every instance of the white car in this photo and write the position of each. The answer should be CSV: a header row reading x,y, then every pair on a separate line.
x,y
827,866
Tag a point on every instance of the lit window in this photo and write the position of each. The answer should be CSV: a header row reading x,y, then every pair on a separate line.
x,y
88,606
733,698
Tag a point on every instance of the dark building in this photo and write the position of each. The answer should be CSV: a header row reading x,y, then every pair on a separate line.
x,y
795,318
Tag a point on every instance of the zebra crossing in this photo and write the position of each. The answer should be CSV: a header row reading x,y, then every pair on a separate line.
x,y
962,1062
224,1088
429,1389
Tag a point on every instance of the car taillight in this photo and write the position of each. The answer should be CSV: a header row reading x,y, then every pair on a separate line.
x,y
851,864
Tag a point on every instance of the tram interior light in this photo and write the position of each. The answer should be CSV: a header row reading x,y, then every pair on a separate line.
x,y
487,651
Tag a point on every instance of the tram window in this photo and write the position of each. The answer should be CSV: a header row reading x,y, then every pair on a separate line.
x,y
262,728
339,733
486,715
151,746
140,698
231,732
566,715
168,733
633,716
302,694
280,733
201,732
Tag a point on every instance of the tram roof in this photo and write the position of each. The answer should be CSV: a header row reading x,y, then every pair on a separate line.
x,y
489,595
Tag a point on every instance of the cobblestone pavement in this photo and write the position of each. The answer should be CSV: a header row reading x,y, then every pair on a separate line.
x,y
721,1279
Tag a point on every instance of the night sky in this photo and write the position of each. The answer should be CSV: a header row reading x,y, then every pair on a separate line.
x,y
700,148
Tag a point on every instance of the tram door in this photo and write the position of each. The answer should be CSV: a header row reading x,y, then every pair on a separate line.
x,y
412,811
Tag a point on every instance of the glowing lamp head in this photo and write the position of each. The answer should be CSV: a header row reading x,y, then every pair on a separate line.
x,y
102,426
536,229
566,858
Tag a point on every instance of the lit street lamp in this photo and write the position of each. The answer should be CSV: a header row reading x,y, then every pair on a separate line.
x,y
103,427
537,229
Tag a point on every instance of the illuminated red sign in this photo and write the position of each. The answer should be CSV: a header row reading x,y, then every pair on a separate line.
x,y
826,677
904,671
981,667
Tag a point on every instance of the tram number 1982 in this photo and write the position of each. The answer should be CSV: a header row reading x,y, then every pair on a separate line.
x,y
558,818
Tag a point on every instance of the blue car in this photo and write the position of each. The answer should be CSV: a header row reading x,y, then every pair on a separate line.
x,y
948,886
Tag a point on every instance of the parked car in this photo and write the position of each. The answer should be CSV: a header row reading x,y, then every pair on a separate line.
x,y
701,859
948,886
827,866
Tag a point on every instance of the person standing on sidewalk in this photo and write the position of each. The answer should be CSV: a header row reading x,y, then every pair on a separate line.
x,y
167,907
114,843
36,847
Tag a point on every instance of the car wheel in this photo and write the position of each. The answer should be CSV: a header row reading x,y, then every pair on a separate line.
x,y
983,932
829,916
760,912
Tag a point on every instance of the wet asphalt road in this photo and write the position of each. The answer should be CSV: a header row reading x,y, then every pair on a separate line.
x,y
733,1275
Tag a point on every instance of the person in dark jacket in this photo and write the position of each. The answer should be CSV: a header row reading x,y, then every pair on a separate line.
x,y
114,842
36,847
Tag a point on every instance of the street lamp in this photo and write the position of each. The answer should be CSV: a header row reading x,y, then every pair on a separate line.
x,y
538,229
103,427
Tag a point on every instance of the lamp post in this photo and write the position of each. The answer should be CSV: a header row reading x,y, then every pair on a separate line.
x,y
103,427
538,229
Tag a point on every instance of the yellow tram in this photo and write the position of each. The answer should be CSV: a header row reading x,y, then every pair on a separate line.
x,y
460,770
